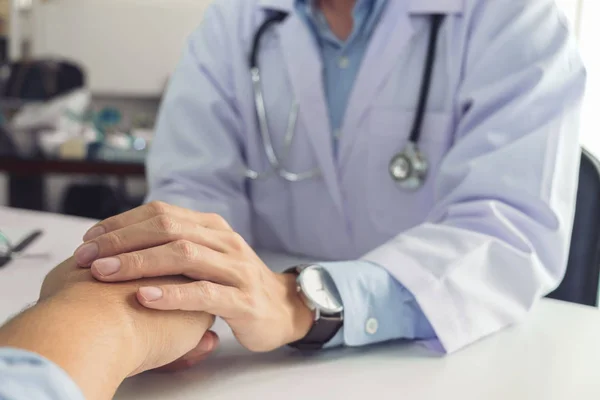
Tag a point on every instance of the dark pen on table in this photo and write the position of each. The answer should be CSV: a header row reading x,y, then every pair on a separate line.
x,y
16,251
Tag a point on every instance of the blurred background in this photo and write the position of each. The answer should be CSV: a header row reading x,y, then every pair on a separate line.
x,y
81,83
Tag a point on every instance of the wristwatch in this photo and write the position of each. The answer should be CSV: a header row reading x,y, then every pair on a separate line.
x,y
319,293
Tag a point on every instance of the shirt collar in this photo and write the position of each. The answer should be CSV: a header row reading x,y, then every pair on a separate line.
x,y
311,10
311,3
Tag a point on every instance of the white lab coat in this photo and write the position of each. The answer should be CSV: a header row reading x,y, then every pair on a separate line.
x,y
489,233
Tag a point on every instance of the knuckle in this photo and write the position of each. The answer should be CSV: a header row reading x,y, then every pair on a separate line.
x,y
113,240
135,263
166,224
206,290
177,294
253,308
186,249
158,207
236,241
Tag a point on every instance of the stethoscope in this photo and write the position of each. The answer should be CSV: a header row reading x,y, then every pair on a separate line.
x,y
408,169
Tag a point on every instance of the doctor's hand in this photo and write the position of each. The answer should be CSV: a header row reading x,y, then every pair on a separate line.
x,y
262,308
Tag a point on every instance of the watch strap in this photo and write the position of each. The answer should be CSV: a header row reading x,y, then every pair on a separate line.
x,y
324,328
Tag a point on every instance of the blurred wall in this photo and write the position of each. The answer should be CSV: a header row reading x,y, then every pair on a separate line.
x,y
4,13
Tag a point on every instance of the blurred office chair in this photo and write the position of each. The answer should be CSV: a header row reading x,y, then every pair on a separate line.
x,y
580,284
24,82
41,80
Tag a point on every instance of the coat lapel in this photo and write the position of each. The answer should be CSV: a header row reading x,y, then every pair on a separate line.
x,y
305,69
389,39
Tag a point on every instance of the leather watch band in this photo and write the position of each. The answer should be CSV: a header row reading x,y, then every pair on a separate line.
x,y
324,328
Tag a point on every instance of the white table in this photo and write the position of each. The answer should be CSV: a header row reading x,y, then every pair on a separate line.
x,y
554,355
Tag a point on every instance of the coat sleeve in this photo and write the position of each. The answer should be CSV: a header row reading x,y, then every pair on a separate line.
x,y
196,159
499,235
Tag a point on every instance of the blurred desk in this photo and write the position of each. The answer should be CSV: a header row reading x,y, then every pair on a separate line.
x,y
27,175
39,166
20,280
554,355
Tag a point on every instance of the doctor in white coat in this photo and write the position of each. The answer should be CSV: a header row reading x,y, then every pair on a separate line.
x,y
463,251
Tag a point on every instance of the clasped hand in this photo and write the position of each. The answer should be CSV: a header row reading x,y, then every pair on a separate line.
x,y
230,281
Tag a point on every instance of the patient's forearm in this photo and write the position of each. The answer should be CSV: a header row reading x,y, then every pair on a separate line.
x,y
91,339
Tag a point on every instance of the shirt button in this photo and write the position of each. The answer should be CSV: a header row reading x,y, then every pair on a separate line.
x,y
344,62
372,326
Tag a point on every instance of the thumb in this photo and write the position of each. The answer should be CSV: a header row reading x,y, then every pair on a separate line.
x,y
208,344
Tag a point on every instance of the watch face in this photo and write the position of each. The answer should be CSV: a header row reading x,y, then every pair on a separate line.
x,y
319,288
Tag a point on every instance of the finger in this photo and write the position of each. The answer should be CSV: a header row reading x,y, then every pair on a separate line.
x,y
177,258
204,348
221,301
207,345
150,210
154,232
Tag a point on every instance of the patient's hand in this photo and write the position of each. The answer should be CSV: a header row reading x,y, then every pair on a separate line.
x,y
100,334
161,337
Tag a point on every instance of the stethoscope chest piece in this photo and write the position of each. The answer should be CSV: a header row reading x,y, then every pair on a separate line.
x,y
409,168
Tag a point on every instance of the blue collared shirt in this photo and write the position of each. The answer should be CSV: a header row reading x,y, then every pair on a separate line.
x,y
377,307
341,58
27,376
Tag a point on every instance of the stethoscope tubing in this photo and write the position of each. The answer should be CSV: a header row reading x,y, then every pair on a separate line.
x,y
261,112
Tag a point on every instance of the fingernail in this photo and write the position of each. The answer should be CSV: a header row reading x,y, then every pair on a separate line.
x,y
86,253
151,293
107,266
94,233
